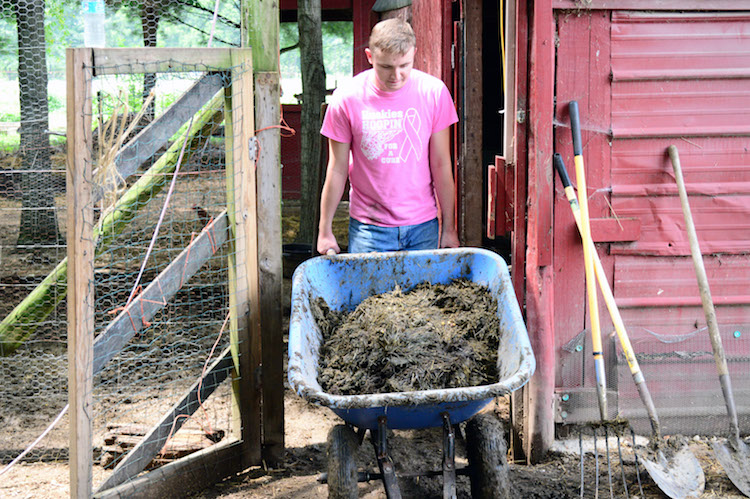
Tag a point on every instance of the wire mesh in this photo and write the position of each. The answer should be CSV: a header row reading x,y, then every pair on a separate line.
x,y
169,297
173,350
678,365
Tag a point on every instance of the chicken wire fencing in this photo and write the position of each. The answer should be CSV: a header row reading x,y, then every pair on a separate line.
x,y
164,275
33,327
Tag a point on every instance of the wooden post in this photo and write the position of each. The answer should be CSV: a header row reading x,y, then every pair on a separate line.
x,y
260,30
243,261
539,271
470,178
270,249
80,269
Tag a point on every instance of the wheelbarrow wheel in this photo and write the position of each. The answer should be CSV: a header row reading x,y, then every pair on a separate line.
x,y
486,449
342,468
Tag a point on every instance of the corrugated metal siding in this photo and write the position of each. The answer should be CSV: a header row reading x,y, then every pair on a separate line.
x,y
683,79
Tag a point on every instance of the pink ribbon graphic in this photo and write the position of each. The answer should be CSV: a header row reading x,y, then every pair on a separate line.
x,y
412,141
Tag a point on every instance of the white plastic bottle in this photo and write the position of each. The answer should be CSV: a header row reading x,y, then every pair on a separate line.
x,y
93,23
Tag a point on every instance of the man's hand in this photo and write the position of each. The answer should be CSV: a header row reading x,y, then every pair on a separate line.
x,y
327,242
449,238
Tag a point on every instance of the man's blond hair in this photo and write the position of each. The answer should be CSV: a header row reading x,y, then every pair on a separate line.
x,y
393,36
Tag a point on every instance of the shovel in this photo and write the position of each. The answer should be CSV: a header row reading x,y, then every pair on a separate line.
x,y
679,475
676,471
734,457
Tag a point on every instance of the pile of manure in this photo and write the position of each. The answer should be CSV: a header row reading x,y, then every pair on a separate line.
x,y
432,337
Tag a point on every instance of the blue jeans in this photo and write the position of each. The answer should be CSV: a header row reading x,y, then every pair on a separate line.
x,y
365,238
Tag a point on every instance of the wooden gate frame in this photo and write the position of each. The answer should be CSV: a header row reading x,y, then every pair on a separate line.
x,y
219,461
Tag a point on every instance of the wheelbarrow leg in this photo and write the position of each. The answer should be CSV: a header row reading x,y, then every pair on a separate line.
x,y
449,458
385,463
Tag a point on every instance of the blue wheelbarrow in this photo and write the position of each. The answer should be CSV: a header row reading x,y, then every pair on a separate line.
x,y
344,281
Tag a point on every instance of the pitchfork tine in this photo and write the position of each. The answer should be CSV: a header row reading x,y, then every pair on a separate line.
x,y
580,448
637,471
596,467
622,465
609,464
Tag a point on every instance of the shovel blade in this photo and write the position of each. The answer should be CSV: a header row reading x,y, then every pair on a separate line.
x,y
735,459
679,476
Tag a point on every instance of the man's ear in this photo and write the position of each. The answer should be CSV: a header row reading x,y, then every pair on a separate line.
x,y
368,53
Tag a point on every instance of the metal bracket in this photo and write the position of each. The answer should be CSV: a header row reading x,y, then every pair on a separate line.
x,y
253,147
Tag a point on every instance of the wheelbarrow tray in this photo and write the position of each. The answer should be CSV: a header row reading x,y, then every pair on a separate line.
x,y
344,281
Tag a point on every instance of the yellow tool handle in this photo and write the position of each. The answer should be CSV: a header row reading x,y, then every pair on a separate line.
x,y
609,299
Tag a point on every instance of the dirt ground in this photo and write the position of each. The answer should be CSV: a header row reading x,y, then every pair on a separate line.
x,y
557,476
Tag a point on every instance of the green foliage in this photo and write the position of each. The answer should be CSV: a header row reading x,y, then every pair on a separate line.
x,y
54,103
338,40
10,117
9,142
164,100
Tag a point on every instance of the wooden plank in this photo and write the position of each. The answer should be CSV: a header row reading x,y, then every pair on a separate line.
x,y
573,83
647,5
492,200
509,185
243,261
539,271
260,29
510,83
160,60
470,178
504,205
519,161
609,230
518,18
427,21
143,453
156,295
152,138
185,477
363,19
269,261
81,270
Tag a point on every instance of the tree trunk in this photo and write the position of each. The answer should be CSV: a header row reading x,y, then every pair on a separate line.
x,y
313,96
150,16
38,220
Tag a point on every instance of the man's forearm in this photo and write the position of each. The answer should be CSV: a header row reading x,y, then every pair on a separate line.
x,y
333,190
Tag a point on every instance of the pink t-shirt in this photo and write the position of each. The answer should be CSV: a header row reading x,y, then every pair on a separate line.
x,y
389,136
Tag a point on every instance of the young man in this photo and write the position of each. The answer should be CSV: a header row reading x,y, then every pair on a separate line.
x,y
395,121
